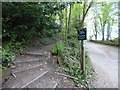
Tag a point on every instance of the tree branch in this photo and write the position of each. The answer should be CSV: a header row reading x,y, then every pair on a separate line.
x,y
88,7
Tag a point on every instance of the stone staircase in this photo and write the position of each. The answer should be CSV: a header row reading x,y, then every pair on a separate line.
x,y
35,68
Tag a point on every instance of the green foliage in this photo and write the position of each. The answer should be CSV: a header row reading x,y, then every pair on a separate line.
x,y
8,53
76,13
69,53
73,68
69,56
7,58
106,14
116,40
88,66
58,49
26,20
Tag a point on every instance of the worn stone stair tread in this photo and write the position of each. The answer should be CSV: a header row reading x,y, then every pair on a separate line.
x,y
25,68
35,50
26,61
25,77
23,58
21,66
36,53
49,80
27,64
20,69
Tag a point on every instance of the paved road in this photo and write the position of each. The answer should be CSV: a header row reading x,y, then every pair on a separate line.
x,y
105,63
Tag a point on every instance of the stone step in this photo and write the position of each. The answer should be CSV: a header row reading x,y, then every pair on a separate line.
x,y
25,77
36,53
35,50
25,58
22,66
27,61
25,68
49,80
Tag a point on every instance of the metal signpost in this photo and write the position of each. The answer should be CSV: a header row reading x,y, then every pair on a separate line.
x,y
82,36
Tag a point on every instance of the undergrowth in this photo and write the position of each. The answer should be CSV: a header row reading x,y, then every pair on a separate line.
x,y
69,52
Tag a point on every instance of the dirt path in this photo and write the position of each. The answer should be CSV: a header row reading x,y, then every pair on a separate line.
x,y
105,63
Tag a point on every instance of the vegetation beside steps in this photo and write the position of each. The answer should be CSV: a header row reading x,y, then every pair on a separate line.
x,y
68,57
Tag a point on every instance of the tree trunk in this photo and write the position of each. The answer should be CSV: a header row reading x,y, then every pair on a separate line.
x,y
103,32
85,13
65,23
69,18
96,36
61,20
103,36
95,30
108,31
66,18
108,34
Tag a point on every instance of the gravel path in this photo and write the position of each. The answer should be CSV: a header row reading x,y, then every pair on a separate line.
x,y
105,63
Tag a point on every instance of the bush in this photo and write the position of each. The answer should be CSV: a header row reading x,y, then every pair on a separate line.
x,y
7,57
116,40
8,53
36,19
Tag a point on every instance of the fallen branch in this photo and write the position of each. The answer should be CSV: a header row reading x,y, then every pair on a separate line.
x,y
13,75
67,75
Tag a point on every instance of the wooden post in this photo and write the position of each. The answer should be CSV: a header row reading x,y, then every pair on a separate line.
x,y
82,36
82,59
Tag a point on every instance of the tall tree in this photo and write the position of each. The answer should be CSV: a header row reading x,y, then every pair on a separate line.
x,y
95,21
103,16
111,19
69,18
95,30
